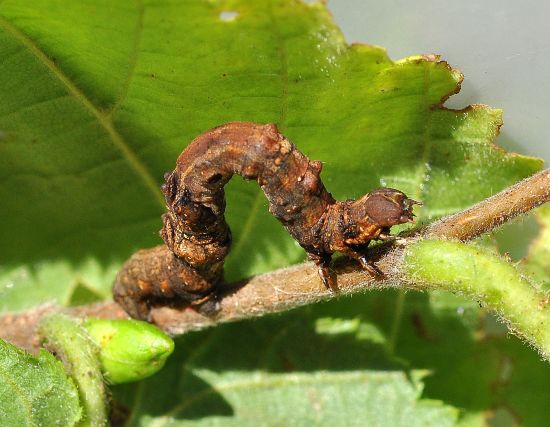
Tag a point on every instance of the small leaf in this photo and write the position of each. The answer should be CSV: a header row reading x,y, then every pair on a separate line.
x,y
129,350
35,391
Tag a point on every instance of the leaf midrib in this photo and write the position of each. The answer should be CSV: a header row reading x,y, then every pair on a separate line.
x,y
105,122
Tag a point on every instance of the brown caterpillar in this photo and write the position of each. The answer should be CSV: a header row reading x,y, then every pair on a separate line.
x,y
189,269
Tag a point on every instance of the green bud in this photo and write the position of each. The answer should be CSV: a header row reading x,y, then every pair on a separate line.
x,y
129,350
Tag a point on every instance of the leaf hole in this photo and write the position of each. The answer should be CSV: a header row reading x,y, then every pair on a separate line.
x,y
228,15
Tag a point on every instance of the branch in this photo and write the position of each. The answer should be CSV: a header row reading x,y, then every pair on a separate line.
x,y
494,211
295,286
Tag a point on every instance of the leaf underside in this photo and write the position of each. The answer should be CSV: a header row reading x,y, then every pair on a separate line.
x,y
228,398
97,99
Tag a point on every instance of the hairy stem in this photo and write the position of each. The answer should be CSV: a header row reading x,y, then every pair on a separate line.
x,y
79,354
481,275
299,285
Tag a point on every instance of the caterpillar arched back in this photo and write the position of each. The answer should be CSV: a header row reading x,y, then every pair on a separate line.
x,y
189,268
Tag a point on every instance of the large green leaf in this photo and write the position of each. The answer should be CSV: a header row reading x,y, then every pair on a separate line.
x,y
372,398
473,364
98,98
314,370
477,365
35,391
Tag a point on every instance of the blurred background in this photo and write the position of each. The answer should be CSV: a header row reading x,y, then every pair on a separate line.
x,y
501,47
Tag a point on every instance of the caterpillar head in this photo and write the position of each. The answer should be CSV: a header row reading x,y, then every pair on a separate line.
x,y
384,207
381,208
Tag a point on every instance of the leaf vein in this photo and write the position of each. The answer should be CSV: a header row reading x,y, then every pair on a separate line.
x,y
132,62
116,138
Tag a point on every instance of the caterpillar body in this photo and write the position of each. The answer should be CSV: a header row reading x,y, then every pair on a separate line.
x,y
188,269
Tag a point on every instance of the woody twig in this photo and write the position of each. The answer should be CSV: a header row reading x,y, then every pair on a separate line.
x,y
299,285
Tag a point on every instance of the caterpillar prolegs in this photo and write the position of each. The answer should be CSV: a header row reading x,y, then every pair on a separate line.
x,y
188,269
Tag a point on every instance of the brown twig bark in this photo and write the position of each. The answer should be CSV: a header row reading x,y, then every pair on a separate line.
x,y
494,211
299,285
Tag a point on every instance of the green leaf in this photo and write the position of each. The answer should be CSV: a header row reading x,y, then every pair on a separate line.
x,y
300,369
82,295
35,391
476,364
97,100
373,398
